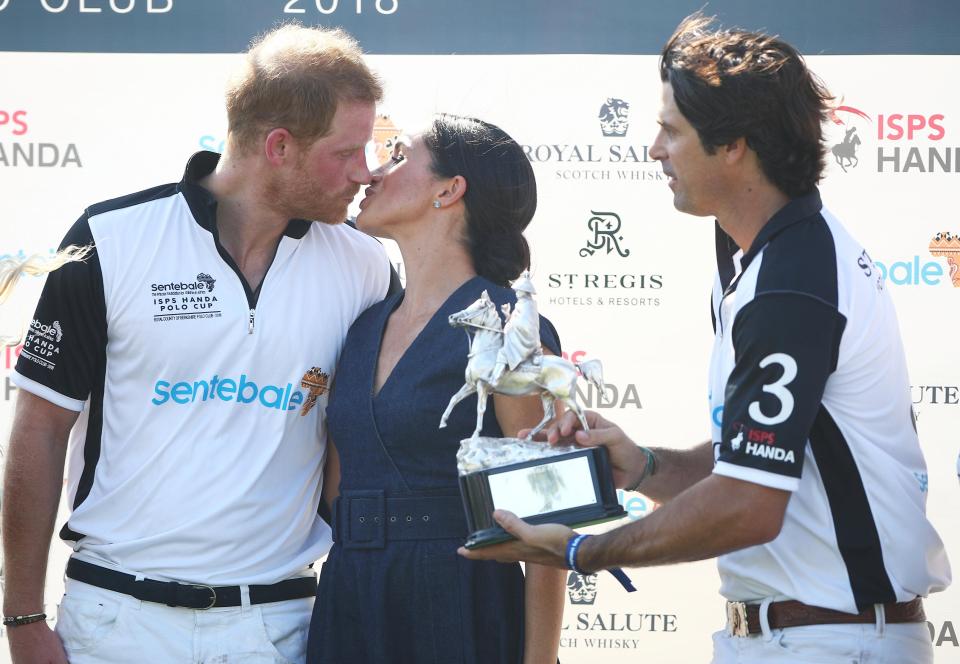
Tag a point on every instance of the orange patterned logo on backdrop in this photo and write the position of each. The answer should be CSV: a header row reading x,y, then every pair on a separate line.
x,y
947,245
315,381
385,134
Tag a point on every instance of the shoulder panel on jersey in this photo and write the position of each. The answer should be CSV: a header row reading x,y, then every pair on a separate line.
x,y
803,259
137,198
793,318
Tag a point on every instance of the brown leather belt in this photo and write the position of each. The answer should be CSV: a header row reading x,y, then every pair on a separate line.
x,y
744,619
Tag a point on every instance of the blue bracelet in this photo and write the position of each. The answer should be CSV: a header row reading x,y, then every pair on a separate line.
x,y
573,544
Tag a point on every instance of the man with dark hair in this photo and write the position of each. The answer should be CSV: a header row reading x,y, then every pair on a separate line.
x,y
195,340
812,491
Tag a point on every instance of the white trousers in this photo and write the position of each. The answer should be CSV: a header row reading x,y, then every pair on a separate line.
x,y
100,626
880,643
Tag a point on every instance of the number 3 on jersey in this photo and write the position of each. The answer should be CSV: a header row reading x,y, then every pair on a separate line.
x,y
778,389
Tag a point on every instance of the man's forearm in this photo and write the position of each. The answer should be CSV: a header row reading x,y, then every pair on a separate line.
x,y
31,492
677,471
716,516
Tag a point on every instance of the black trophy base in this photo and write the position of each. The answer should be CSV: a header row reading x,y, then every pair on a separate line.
x,y
574,489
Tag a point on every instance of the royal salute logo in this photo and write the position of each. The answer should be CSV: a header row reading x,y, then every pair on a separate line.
x,y
315,380
605,235
582,588
587,160
188,299
614,117
924,397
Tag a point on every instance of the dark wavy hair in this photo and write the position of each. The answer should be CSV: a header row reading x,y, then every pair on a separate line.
x,y
733,83
501,194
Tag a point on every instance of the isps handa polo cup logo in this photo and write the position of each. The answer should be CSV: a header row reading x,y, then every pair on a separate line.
x,y
42,345
188,299
604,155
899,142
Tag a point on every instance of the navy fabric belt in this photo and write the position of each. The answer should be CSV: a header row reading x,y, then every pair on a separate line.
x,y
370,519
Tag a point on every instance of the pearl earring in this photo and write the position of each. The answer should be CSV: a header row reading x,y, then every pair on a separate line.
x,y
436,204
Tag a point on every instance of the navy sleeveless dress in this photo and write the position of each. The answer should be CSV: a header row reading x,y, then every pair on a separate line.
x,y
393,589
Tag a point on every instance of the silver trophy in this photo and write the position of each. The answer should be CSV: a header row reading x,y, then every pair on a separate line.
x,y
536,481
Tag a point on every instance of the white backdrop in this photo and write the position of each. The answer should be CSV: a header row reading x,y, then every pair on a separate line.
x,y
102,125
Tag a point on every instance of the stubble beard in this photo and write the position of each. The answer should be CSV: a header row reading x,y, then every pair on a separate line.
x,y
303,199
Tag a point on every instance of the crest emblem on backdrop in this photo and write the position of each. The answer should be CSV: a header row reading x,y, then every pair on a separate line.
x,y
614,117
582,588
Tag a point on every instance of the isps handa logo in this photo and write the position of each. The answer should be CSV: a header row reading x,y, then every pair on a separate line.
x,y
17,150
904,142
613,395
596,156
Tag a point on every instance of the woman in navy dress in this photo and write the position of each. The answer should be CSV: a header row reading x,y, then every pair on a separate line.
x,y
393,589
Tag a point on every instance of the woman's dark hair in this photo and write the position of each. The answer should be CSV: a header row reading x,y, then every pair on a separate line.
x,y
733,83
501,194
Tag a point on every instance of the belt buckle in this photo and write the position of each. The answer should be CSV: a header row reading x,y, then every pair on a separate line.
x,y
737,619
213,595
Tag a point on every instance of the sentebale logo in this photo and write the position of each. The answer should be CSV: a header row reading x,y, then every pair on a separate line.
x,y
241,391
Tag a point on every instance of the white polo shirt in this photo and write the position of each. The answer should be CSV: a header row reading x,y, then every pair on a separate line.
x,y
198,456
809,394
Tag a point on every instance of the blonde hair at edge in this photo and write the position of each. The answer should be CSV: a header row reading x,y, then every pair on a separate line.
x,y
11,269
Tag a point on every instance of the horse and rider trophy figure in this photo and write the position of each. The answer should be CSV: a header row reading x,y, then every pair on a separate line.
x,y
539,482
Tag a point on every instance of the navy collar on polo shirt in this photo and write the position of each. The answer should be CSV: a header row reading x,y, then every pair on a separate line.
x,y
796,210
202,203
